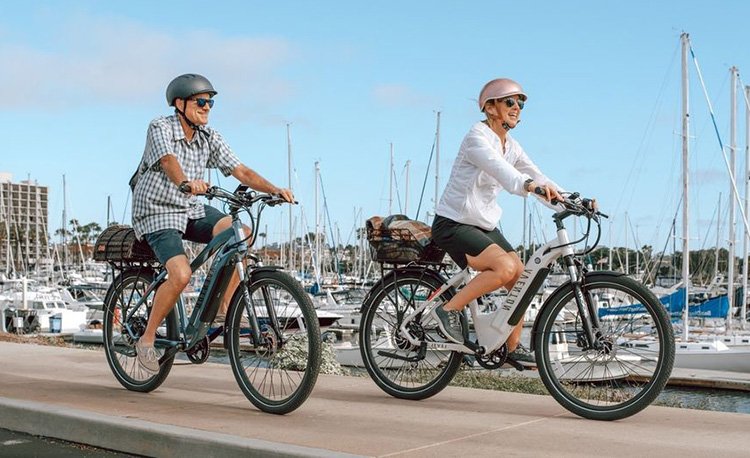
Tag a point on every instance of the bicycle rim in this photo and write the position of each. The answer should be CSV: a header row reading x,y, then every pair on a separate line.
x,y
630,366
119,308
399,368
277,375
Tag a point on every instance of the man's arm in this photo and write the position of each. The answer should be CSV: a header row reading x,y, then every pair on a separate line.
x,y
250,177
176,175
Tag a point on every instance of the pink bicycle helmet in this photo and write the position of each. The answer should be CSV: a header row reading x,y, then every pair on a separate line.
x,y
500,88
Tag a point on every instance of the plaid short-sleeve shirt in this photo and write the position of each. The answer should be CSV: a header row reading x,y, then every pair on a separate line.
x,y
157,202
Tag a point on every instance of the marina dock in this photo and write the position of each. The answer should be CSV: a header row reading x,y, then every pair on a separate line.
x,y
70,394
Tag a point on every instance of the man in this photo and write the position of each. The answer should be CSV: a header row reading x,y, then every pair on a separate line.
x,y
179,149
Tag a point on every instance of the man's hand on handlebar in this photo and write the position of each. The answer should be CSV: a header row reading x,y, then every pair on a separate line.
x,y
285,194
194,187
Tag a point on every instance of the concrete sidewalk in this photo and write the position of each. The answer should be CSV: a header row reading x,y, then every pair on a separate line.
x,y
199,411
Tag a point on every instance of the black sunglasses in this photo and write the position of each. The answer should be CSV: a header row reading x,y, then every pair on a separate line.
x,y
510,102
203,102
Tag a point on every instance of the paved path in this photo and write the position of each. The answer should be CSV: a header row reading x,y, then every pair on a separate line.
x,y
200,411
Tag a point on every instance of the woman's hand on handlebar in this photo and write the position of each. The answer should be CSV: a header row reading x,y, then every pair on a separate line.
x,y
546,191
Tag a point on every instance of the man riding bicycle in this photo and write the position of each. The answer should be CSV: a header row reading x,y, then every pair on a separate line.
x,y
179,148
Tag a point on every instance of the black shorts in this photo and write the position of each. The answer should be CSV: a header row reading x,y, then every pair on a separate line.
x,y
460,239
167,243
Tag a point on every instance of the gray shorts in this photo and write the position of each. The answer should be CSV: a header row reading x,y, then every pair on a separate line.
x,y
461,239
167,243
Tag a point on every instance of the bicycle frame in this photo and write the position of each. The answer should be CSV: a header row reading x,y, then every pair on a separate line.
x,y
493,329
230,248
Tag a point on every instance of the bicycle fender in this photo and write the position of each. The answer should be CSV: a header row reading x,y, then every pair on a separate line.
x,y
387,278
258,270
558,292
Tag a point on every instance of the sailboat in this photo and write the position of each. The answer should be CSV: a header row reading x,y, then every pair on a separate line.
x,y
711,352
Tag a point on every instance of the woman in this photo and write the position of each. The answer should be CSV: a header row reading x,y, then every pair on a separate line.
x,y
490,160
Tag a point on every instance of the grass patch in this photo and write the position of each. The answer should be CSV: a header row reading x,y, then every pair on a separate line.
x,y
499,381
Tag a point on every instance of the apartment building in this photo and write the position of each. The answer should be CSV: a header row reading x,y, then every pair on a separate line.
x,y
23,224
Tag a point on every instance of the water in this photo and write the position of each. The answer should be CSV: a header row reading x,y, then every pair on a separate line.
x,y
702,399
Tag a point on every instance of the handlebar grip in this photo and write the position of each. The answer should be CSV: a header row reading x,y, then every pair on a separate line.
x,y
540,191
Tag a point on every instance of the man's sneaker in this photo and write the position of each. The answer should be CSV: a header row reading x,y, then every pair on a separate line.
x,y
449,323
147,357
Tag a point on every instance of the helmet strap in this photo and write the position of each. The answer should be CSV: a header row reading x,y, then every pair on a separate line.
x,y
191,124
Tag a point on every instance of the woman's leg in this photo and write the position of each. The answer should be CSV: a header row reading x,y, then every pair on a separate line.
x,y
497,269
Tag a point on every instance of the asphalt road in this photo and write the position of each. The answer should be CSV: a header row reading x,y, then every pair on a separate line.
x,y
24,445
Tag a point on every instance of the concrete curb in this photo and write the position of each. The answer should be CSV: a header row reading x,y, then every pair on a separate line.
x,y
137,436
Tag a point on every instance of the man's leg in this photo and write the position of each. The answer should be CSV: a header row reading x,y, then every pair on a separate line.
x,y
166,295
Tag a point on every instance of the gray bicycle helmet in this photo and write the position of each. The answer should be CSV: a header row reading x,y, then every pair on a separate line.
x,y
188,85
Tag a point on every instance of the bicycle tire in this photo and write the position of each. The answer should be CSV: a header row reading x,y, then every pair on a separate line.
x,y
379,332
119,348
278,376
632,366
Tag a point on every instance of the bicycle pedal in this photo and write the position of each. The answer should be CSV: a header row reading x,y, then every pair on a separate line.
x,y
516,365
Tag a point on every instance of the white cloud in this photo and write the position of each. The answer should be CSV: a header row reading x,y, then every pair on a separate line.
x,y
399,95
111,60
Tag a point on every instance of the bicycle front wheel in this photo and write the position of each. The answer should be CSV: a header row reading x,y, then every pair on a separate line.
x,y
399,368
628,366
120,309
276,371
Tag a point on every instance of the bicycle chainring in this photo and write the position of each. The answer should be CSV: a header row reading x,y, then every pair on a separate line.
x,y
199,353
494,360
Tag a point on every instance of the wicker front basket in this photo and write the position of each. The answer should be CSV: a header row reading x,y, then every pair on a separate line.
x,y
118,244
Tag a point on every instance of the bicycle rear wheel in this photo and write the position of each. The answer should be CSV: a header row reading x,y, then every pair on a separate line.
x,y
399,368
279,374
120,309
628,367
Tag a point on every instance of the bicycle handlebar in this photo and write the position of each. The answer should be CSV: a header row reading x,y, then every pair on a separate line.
x,y
241,197
574,203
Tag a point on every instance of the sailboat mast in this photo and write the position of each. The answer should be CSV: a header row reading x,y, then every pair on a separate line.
x,y
317,225
743,315
732,173
289,180
406,191
718,238
64,228
685,41
390,183
437,163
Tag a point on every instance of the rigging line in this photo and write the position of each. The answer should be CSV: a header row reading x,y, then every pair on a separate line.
x,y
744,93
426,174
656,265
125,208
398,194
721,144
650,126
330,226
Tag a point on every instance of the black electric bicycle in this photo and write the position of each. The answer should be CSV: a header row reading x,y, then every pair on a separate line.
x,y
271,330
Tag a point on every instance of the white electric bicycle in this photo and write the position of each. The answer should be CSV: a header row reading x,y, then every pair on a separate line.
x,y
603,343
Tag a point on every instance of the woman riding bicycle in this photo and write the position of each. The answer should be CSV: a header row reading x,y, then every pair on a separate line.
x,y
179,149
489,160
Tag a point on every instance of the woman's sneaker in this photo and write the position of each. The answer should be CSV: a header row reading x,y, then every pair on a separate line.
x,y
449,323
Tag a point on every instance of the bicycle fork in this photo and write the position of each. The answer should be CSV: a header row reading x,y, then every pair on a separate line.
x,y
586,309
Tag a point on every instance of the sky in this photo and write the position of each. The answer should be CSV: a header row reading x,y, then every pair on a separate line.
x,y
83,79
